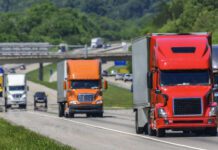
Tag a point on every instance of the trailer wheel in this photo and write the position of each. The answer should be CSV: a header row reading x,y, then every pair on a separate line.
x,y
151,132
211,131
61,109
139,130
160,132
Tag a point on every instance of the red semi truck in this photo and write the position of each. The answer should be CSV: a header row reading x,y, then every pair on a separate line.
x,y
173,84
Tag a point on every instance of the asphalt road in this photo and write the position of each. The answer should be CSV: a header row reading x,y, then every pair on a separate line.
x,y
114,131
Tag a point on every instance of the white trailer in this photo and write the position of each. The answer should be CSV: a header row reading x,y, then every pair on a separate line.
x,y
141,98
16,88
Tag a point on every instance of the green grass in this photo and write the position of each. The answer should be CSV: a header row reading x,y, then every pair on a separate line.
x,y
33,76
117,97
113,97
19,138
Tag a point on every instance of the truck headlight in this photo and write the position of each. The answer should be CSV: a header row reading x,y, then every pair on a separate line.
x,y
73,102
99,102
162,113
213,111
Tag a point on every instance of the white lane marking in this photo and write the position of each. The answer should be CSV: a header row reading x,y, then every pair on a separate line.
x,y
118,131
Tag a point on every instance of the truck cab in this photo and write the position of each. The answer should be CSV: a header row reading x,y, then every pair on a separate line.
x,y
82,88
179,84
15,90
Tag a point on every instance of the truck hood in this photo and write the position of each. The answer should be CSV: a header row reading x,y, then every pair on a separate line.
x,y
185,91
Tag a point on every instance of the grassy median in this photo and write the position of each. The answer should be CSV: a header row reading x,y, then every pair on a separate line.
x,y
18,138
113,97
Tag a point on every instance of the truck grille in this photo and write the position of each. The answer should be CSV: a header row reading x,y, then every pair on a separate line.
x,y
86,97
187,106
17,95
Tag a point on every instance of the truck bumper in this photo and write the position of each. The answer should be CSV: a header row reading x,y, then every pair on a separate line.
x,y
16,102
186,123
86,109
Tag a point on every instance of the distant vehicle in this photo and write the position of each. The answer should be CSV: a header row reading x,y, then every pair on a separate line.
x,y
40,97
97,42
22,67
12,70
127,77
63,47
113,72
104,73
15,90
119,76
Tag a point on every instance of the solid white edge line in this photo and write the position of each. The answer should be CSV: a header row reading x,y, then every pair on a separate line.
x,y
118,131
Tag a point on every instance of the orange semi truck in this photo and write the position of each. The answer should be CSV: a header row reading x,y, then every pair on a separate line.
x,y
80,88
173,84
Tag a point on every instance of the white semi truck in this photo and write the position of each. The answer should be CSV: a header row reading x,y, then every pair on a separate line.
x,y
16,88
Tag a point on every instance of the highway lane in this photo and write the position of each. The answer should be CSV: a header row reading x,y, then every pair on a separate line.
x,y
114,131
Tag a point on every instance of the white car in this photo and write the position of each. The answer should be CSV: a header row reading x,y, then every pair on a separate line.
x,y
127,77
119,76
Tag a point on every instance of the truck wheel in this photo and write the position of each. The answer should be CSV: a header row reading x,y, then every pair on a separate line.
x,y
34,104
139,130
71,115
46,104
61,110
151,132
160,132
100,115
211,131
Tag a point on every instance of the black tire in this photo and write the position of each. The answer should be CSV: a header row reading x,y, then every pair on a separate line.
x,y
139,130
160,132
100,115
71,115
61,110
46,104
34,104
151,132
211,131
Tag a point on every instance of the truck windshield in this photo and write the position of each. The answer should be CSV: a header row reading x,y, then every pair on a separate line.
x,y
170,78
85,84
216,79
16,88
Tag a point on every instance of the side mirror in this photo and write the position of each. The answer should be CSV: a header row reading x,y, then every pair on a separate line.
x,y
150,80
65,85
105,84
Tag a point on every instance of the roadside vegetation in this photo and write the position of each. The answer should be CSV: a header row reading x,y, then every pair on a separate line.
x,y
19,138
33,76
114,96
